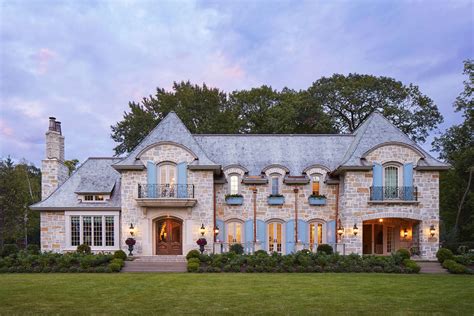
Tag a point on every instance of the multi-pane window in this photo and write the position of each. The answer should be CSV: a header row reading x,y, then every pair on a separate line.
x,y
167,174
234,184
391,182
109,231
389,239
93,230
315,184
91,198
275,237
315,235
88,198
234,232
275,183
75,231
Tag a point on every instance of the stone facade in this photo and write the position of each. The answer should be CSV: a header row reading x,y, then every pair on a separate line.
x,y
53,174
53,231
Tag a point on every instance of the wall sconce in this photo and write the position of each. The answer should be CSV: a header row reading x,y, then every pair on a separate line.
x,y
202,230
216,231
405,233
340,230
355,230
432,230
132,229
380,220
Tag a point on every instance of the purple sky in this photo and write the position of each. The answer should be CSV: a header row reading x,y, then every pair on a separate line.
x,y
83,61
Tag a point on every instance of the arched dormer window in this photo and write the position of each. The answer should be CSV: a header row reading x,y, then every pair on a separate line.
x,y
316,183
275,184
234,187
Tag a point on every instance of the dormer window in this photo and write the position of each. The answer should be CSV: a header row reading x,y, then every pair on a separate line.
x,y
94,197
275,184
234,184
315,184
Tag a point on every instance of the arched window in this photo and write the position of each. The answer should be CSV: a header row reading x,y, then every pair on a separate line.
x,y
315,184
392,177
275,179
275,236
234,184
234,232
317,230
166,180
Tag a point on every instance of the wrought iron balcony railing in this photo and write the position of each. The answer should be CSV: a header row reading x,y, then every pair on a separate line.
x,y
394,193
157,191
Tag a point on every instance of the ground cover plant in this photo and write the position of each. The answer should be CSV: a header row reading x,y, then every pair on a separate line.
x,y
236,294
31,260
457,264
301,261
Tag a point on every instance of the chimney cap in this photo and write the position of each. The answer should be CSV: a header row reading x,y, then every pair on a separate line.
x,y
52,118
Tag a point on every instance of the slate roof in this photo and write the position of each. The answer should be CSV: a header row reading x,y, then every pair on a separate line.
x,y
94,175
296,152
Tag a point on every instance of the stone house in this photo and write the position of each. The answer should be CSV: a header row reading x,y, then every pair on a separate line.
x,y
370,192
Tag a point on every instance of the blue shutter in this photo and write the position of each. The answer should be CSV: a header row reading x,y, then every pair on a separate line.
x,y
262,234
303,233
221,225
408,181
290,236
248,239
151,179
377,190
182,169
331,232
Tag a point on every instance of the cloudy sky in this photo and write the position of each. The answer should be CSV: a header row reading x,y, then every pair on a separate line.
x,y
83,61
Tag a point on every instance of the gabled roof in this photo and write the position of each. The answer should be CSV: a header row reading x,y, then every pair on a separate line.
x,y
95,175
377,130
170,129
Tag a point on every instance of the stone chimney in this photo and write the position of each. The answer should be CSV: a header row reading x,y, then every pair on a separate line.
x,y
53,170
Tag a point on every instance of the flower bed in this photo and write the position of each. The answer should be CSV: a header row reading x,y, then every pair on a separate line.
x,y
81,261
302,261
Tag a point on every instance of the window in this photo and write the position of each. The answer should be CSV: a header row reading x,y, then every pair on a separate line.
x,y
234,184
275,237
234,233
96,230
391,181
167,174
88,198
92,198
315,235
315,184
275,184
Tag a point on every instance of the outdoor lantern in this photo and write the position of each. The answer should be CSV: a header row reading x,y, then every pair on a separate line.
x,y
132,229
405,233
202,230
340,230
432,230
216,230
355,230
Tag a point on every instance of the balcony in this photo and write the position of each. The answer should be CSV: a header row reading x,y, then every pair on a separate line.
x,y
394,195
166,195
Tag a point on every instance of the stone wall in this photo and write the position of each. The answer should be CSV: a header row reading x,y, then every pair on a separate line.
x,y
53,174
53,231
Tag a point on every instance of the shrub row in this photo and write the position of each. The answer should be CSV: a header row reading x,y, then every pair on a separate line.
x,y
455,264
26,261
301,261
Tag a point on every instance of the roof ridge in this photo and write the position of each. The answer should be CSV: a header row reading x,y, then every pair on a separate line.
x,y
275,135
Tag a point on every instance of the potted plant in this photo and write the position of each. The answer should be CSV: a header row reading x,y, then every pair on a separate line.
x,y
234,199
201,243
317,199
276,199
130,243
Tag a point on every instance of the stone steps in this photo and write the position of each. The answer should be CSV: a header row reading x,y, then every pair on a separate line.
x,y
431,267
160,259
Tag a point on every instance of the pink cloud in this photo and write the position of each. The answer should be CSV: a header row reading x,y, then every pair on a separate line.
x,y
5,130
43,58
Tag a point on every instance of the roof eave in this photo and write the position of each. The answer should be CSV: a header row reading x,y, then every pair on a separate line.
x,y
432,168
128,167
74,208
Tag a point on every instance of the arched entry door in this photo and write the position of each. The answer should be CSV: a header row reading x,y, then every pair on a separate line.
x,y
169,236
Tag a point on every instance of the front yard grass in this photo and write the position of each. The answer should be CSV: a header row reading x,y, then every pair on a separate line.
x,y
244,294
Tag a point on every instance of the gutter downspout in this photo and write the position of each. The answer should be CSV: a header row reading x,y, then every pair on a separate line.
x,y
337,211
214,211
296,215
254,189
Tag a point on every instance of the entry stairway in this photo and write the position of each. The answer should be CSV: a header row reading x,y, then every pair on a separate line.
x,y
156,264
431,267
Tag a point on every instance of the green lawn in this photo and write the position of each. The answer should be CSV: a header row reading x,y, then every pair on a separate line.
x,y
235,293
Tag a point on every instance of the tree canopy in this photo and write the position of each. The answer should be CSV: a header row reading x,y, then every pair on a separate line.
x,y
331,105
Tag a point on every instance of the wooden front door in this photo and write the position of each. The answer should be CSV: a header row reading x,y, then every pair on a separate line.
x,y
169,236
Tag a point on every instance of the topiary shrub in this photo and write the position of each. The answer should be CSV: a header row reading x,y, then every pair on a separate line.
x,y
9,249
193,254
411,266
193,266
33,249
84,249
454,267
236,248
444,254
120,254
327,249
115,267
118,261
403,253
